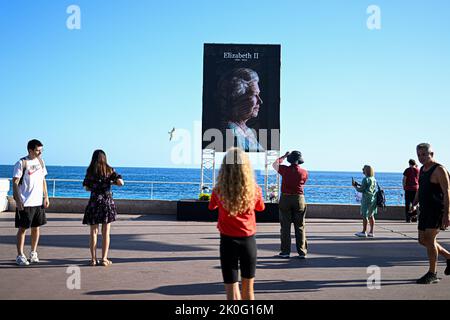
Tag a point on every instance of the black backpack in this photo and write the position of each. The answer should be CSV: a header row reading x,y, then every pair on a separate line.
x,y
381,198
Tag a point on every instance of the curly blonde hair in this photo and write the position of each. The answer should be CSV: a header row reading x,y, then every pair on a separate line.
x,y
236,185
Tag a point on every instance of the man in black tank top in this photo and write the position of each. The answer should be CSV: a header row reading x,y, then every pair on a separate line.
x,y
433,198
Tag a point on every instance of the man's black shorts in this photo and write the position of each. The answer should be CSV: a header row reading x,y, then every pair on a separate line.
x,y
30,217
430,220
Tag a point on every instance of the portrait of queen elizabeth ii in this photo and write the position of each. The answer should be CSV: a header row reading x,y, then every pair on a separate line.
x,y
238,97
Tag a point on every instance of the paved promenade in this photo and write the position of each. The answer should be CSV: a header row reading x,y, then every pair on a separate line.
x,y
157,257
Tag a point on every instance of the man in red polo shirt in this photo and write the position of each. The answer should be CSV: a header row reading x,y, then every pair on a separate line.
x,y
410,186
292,205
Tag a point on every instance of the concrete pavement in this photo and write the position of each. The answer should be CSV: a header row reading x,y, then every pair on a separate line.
x,y
156,257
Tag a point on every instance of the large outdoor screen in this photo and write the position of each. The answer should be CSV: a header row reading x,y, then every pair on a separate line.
x,y
241,97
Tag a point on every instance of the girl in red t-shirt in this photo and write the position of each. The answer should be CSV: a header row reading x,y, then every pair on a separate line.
x,y
237,196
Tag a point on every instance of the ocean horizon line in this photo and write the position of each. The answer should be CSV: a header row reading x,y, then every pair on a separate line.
x,y
199,168
160,183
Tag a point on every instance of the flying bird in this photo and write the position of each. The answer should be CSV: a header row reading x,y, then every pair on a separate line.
x,y
171,132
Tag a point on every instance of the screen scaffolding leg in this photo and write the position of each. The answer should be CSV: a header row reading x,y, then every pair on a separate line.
x,y
208,172
271,177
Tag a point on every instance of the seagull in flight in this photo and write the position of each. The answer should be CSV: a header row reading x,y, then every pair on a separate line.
x,y
171,132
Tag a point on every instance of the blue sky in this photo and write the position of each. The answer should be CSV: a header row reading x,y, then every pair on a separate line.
x,y
349,95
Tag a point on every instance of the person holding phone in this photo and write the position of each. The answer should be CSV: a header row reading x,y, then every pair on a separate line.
x,y
292,205
368,201
101,208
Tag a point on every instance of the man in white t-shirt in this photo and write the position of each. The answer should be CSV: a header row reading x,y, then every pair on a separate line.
x,y
31,196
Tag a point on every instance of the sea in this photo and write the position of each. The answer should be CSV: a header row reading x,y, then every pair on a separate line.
x,y
328,187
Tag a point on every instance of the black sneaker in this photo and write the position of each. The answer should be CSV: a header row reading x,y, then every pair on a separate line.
x,y
447,270
284,255
302,256
428,278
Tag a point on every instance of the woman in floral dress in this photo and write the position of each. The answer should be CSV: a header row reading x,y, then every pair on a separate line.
x,y
101,208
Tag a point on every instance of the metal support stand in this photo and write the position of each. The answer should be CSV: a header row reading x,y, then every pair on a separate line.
x,y
208,172
271,177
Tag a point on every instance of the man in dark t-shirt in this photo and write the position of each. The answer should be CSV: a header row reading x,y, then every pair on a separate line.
x,y
433,197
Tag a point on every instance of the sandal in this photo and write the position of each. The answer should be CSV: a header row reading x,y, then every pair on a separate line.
x,y
93,263
105,262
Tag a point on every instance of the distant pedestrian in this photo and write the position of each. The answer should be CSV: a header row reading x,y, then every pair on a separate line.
x,y
101,208
368,201
31,196
433,198
410,186
237,196
292,205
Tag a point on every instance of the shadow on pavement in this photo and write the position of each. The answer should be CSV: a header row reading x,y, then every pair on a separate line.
x,y
130,242
262,286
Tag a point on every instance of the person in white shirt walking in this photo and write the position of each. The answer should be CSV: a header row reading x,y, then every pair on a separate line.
x,y
31,196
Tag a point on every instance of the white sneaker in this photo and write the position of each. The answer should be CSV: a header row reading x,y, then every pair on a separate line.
x,y
361,234
371,235
34,257
22,261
